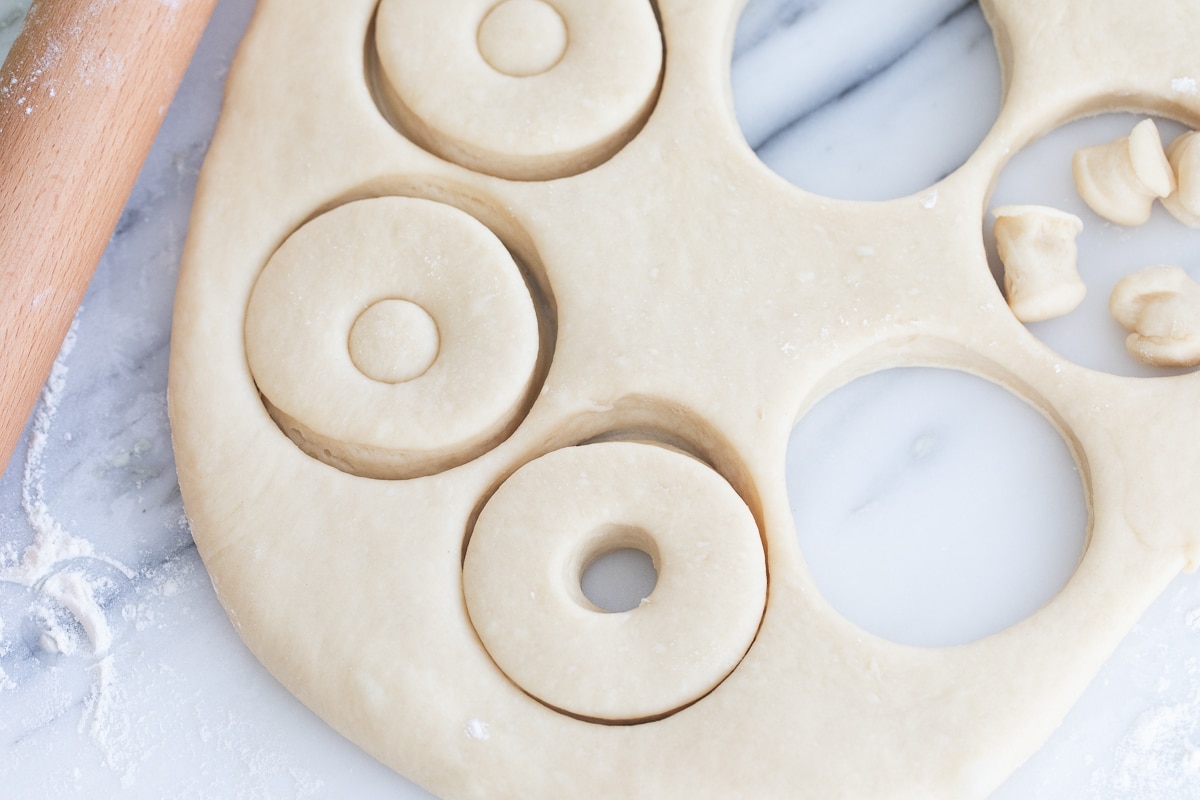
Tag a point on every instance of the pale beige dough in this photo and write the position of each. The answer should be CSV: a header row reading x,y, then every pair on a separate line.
x,y
1121,179
393,341
392,337
642,306
522,37
1184,157
553,105
1036,245
1160,307
543,527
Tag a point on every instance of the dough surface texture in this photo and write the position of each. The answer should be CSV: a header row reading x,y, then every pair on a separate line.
x,y
620,314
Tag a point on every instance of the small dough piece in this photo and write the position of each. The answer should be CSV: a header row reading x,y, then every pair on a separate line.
x,y
1037,247
555,516
1184,156
339,339
1121,180
1161,307
553,105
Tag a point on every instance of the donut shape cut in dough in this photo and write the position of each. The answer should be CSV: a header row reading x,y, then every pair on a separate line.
x,y
555,105
694,295
393,337
550,520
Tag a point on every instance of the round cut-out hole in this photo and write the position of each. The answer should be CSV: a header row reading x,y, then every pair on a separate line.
x,y
934,508
874,116
1040,174
394,341
619,580
522,38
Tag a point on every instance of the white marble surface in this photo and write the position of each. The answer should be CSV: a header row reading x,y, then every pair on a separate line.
x,y
933,507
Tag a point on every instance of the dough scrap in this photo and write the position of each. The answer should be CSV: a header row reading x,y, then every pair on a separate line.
x,y
665,287
1120,180
1184,156
1160,306
1037,246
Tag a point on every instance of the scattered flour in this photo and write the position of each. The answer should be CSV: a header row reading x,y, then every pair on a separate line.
x,y
1184,85
106,726
1193,619
6,683
478,730
1159,757
65,593
41,566
52,545
75,591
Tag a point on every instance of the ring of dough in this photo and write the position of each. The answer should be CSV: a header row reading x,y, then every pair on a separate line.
x,y
549,521
317,337
437,77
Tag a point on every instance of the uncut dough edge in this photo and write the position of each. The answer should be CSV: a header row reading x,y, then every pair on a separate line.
x,y
383,650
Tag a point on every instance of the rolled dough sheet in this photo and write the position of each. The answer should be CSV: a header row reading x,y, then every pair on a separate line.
x,y
676,296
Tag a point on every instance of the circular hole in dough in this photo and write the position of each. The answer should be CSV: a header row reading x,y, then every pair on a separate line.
x,y
393,337
393,341
522,37
619,577
523,89
552,517
1041,174
841,114
908,530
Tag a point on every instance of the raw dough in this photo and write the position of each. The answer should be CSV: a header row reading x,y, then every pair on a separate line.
x,y
1184,157
1037,246
392,271
1120,180
522,37
550,520
1160,307
533,109
682,294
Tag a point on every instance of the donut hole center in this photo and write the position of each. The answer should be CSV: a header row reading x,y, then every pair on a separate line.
x,y
394,341
522,38
620,571
934,508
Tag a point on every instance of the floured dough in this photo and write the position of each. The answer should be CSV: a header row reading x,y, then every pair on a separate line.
x,y
627,322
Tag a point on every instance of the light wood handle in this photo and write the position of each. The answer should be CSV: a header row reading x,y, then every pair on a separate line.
x,y
82,94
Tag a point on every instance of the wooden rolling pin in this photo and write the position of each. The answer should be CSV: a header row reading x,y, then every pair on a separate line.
x,y
82,94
